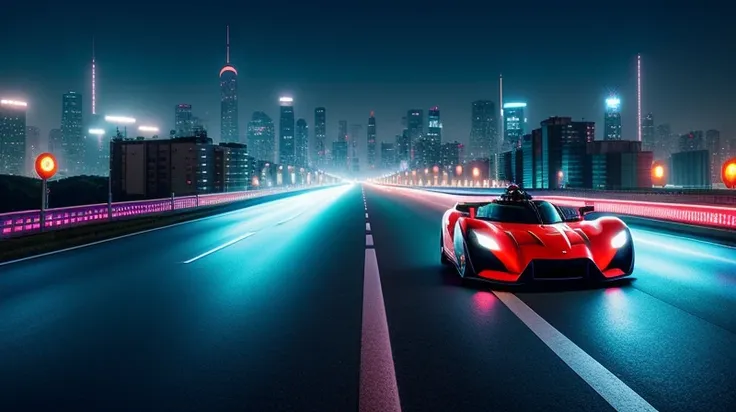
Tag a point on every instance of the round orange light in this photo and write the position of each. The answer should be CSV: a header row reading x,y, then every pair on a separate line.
x,y
436,169
46,166
476,172
728,173
458,170
659,171
659,174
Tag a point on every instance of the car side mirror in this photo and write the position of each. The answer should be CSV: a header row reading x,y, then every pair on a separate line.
x,y
471,210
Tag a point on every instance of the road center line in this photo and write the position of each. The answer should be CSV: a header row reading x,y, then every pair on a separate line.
x,y
367,227
289,218
369,240
611,388
378,389
366,215
222,246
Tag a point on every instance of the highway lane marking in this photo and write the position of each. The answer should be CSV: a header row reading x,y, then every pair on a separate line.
x,y
366,215
98,242
612,389
378,388
367,227
369,240
222,246
289,218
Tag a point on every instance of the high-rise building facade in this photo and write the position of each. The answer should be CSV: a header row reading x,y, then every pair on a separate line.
x,y
301,144
665,142
229,130
483,139
54,141
183,120
691,142
33,148
371,141
320,137
261,137
612,120
403,149
388,157
287,152
563,151
450,155
648,134
72,135
356,130
717,152
432,140
415,129
12,137
514,127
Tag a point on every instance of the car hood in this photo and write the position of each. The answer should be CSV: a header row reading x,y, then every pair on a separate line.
x,y
553,237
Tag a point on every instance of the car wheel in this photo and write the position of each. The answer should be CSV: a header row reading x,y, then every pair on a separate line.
x,y
443,256
464,266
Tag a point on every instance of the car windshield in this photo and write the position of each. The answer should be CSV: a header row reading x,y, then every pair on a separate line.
x,y
548,213
520,212
516,212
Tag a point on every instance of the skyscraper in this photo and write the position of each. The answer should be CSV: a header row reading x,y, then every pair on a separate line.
x,y
72,135
340,147
33,148
287,153
356,130
320,134
54,141
648,141
183,120
483,139
342,131
514,118
229,132
261,137
301,144
388,157
12,137
612,123
371,149
415,128
432,141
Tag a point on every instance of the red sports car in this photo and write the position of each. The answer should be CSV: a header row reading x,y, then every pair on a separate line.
x,y
516,239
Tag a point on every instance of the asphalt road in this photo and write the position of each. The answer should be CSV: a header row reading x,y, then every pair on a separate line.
x,y
335,301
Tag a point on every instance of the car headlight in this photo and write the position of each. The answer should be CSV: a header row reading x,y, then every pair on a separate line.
x,y
486,241
619,241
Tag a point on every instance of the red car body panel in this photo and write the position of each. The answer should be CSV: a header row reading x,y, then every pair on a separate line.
x,y
519,244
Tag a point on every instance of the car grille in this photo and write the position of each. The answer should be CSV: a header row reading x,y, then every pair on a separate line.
x,y
561,268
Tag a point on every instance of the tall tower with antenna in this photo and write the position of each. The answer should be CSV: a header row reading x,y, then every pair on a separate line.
x,y
638,96
229,131
94,79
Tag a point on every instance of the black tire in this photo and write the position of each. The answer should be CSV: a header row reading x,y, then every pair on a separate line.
x,y
444,260
464,265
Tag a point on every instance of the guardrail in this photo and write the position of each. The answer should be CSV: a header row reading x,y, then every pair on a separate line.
x,y
26,222
693,197
715,216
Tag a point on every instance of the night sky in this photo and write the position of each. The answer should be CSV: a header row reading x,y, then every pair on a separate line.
x,y
384,56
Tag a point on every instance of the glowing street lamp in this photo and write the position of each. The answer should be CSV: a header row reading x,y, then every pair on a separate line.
x,y
16,103
476,172
120,119
728,173
659,177
149,129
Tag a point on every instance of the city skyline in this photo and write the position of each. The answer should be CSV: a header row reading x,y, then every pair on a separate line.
x,y
547,92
